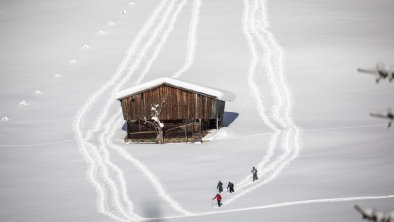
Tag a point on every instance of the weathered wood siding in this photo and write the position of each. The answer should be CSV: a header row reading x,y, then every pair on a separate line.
x,y
179,104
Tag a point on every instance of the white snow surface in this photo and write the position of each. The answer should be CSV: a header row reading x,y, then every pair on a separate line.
x,y
300,117
217,93
23,103
5,119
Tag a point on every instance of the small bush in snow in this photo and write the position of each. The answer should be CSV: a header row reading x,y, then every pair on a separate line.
x,y
156,110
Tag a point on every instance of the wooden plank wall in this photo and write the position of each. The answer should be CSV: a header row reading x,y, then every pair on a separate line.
x,y
178,104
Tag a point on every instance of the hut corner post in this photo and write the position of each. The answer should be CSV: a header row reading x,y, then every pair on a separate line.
x,y
200,129
217,121
186,130
127,129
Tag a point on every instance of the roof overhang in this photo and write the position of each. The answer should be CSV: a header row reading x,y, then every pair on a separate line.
x,y
187,86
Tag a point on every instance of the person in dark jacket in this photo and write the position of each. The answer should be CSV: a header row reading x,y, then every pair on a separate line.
x,y
254,172
220,186
230,187
219,199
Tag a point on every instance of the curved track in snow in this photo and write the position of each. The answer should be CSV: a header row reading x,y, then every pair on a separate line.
x,y
106,177
192,39
117,120
267,61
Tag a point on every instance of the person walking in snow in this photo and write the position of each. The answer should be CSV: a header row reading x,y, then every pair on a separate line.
x,y
230,187
220,186
254,172
219,199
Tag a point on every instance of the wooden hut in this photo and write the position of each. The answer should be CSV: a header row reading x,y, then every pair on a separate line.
x,y
169,110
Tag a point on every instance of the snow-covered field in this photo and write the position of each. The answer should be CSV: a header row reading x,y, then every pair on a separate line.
x,y
300,116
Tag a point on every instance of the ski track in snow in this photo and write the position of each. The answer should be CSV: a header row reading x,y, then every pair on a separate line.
x,y
192,39
255,92
140,54
109,134
116,120
161,43
189,61
255,24
112,197
153,179
270,122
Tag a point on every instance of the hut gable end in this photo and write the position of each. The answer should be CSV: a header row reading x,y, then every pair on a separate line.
x,y
178,104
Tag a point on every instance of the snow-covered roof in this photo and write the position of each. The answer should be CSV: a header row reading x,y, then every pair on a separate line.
x,y
218,94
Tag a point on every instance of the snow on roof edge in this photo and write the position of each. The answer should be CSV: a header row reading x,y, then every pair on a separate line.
x,y
219,94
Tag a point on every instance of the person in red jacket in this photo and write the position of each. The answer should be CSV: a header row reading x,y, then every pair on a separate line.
x,y
219,199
